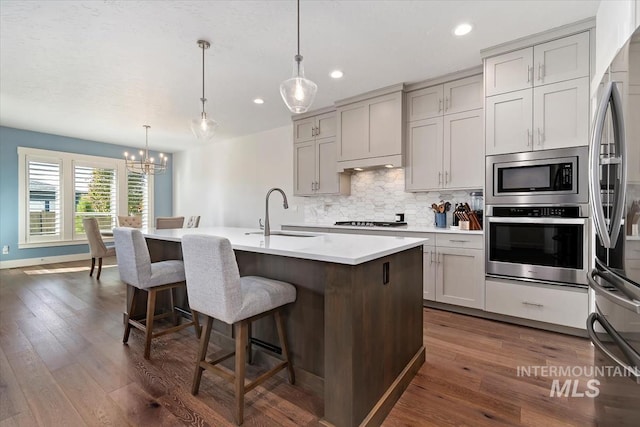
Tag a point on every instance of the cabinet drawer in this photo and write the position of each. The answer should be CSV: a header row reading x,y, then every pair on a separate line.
x,y
471,241
557,305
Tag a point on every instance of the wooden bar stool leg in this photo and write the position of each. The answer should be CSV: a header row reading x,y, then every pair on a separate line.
x,y
283,343
249,354
93,265
202,354
241,329
196,323
99,268
174,318
148,330
132,306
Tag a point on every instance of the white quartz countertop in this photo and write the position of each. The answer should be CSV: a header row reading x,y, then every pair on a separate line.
x,y
329,247
400,229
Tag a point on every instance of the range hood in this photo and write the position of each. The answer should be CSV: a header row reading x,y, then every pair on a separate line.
x,y
386,162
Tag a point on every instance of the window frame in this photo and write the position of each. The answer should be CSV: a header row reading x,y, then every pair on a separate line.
x,y
67,162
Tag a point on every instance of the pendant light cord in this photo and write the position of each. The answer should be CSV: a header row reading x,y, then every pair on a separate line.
x,y
203,99
298,27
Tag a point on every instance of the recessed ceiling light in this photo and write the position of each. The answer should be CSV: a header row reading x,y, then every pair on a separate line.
x,y
388,166
336,74
462,29
358,169
258,101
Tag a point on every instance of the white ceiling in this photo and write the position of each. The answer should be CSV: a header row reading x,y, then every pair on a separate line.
x,y
99,70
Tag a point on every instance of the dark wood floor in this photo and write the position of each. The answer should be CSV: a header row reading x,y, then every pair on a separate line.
x,y
62,363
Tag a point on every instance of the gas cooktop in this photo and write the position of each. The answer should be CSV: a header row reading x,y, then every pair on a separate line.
x,y
371,223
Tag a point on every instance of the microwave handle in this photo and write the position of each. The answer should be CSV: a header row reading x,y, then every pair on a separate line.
x,y
608,237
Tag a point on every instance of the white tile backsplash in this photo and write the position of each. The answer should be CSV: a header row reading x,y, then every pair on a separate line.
x,y
377,196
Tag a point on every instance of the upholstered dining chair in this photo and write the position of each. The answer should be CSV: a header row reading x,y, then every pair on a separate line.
x,y
216,290
96,245
193,222
130,221
169,222
137,270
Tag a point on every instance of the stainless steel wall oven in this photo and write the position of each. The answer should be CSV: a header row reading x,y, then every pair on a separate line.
x,y
548,244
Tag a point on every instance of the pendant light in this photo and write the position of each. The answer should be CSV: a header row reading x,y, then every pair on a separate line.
x,y
202,127
145,165
298,92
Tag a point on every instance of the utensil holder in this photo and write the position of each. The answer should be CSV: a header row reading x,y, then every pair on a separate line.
x,y
441,220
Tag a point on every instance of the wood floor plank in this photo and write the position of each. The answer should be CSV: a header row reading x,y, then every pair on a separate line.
x,y
12,401
141,409
94,405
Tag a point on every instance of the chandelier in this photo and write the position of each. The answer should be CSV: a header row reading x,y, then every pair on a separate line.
x,y
202,127
145,165
298,92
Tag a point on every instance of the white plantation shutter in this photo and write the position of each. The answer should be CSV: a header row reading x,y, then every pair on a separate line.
x,y
95,195
44,216
138,196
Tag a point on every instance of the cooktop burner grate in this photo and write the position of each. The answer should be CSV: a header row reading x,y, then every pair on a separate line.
x,y
372,223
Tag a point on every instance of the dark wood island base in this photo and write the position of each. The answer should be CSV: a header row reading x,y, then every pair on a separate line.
x,y
354,332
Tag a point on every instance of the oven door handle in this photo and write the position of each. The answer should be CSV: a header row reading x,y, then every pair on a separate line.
x,y
617,297
536,220
632,371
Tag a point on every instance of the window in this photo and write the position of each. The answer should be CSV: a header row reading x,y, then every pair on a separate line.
x,y
57,190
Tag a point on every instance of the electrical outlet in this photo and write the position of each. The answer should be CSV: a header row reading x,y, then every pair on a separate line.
x,y
5,249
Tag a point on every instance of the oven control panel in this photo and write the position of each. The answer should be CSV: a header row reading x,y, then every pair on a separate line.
x,y
537,211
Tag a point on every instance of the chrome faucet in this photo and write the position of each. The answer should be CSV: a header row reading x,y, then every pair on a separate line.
x,y
285,204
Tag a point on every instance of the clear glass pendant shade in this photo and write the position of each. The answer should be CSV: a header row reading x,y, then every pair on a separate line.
x,y
203,128
298,92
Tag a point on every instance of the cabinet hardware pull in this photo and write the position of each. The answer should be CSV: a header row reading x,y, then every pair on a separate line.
x,y
532,304
539,71
529,73
528,136
313,131
317,130
317,185
539,137
439,177
458,241
385,273
431,257
438,258
439,105
446,177
446,104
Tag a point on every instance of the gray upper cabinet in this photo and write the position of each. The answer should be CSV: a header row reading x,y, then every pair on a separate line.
x,y
370,129
555,61
449,98
445,136
537,97
314,157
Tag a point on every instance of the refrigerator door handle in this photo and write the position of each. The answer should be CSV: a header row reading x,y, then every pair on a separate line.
x,y
611,97
632,371
618,298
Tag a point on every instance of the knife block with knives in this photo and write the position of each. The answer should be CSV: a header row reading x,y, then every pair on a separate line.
x,y
465,215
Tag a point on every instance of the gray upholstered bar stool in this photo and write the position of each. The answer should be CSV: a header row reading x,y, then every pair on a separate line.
x,y
96,245
163,222
215,289
193,221
137,270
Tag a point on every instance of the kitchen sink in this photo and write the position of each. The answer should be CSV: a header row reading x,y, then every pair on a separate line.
x,y
282,233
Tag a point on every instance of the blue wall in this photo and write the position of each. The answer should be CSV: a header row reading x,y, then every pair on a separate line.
x,y
11,139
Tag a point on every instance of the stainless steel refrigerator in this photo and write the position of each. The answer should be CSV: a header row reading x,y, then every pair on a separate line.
x,y
614,175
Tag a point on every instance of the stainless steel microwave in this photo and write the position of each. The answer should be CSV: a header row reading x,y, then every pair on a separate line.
x,y
558,176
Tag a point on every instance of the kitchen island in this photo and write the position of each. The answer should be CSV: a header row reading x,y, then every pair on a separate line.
x,y
355,330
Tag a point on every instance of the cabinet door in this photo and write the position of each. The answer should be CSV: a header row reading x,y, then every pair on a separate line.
x,y
304,168
563,59
463,150
561,114
385,125
353,131
328,178
326,125
303,130
429,275
508,125
424,155
463,95
509,72
425,103
460,277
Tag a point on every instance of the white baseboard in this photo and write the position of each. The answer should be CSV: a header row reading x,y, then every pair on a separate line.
x,y
28,262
